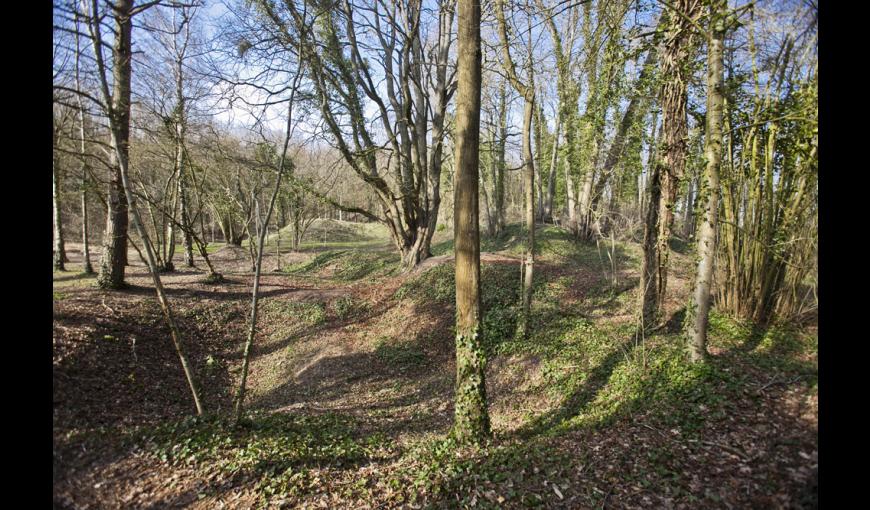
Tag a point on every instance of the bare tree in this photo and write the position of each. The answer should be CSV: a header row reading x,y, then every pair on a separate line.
x,y
119,128
527,90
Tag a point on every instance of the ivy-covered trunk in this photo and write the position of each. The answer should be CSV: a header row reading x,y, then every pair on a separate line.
x,y
676,56
472,419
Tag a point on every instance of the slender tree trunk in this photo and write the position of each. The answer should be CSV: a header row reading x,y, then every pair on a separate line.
x,y
169,239
472,418
700,308
258,265
688,213
499,171
539,140
551,181
86,252
59,251
529,188
119,123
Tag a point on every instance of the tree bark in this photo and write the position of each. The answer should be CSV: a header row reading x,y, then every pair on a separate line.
x,y
59,251
527,90
114,256
529,189
471,422
699,310
86,252
673,96
551,181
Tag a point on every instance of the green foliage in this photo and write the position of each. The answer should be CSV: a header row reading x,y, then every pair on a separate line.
x,y
434,285
447,473
362,265
349,265
277,450
317,263
346,307
402,356
309,314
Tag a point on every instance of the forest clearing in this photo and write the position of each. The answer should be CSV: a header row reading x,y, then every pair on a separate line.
x,y
435,254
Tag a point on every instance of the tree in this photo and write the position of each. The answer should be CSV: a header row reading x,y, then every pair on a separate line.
x,y
698,311
527,90
114,256
260,247
670,164
472,419
346,79
119,129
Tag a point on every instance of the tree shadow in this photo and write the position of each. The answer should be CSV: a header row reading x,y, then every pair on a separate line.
x,y
574,404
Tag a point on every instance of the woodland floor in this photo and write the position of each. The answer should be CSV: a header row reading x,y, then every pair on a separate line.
x,y
351,387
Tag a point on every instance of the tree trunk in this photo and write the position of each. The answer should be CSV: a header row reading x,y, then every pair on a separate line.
x,y
261,245
650,264
114,256
499,171
472,418
688,213
699,311
59,251
86,252
529,189
674,95
551,181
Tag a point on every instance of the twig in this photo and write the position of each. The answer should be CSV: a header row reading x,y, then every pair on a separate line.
x,y
729,449
107,307
776,381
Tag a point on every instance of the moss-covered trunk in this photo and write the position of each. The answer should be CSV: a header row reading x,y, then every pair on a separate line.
x,y
699,310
